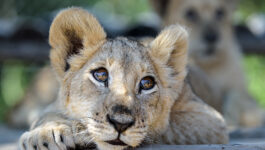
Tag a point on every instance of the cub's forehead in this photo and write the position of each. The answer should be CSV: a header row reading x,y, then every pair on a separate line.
x,y
125,50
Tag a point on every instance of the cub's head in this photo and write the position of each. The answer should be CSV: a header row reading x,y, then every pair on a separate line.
x,y
121,90
210,22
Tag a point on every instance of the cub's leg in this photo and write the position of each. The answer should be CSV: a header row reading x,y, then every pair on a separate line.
x,y
193,122
54,132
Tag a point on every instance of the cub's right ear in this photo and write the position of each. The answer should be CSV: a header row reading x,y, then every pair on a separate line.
x,y
73,33
170,48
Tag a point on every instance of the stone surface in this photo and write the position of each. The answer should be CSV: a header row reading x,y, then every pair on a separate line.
x,y
180,147
246,139
207,147
9,135
10,146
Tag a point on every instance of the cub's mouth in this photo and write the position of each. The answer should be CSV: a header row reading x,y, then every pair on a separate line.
x,y
116,142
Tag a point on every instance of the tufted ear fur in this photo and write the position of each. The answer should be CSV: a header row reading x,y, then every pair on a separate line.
x,y
74,32
170,48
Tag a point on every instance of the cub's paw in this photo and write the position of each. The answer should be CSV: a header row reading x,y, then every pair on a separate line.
x,y
51,136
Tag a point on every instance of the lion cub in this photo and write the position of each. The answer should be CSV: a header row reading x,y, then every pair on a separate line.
x,y
118,93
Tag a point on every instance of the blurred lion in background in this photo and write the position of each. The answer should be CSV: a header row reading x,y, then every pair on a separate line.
x,y
213,49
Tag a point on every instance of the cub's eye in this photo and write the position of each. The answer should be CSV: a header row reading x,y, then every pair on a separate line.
x,y
101,75
147,83
191,15
220,13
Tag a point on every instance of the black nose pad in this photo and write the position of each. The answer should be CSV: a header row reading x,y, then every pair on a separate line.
x,y
120,127
210,37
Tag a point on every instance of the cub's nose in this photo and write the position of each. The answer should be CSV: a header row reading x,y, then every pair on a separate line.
x,y
120,117
210,36
120,126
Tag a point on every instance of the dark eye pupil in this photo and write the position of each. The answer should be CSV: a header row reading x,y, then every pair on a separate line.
x,y
220,13
191,15
101,75
147,83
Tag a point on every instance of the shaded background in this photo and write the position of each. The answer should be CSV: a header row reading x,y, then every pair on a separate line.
x,y
24,49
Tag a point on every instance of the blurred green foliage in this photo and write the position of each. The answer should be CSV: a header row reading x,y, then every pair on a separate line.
x,y
255,68
12,83
38,7
10,8
127,7
31,8
248,7
15,78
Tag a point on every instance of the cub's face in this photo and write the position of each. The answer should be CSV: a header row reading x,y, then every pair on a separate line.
x,y
209,22
117,94
121,90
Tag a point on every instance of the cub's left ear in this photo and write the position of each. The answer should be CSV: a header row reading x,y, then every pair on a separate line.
x,y
170,47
